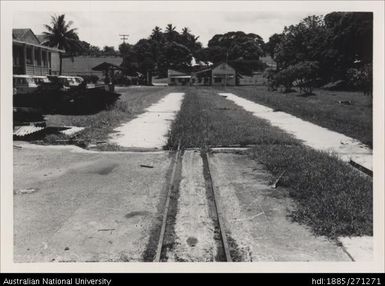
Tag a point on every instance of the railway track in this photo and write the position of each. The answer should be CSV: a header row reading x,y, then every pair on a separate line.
x,y
216,208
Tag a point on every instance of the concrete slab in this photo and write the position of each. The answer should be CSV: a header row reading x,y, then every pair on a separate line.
x,y
86,206
256,219
317,137
194,229
359,248
150,129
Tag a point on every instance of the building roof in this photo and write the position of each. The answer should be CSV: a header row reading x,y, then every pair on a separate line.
x,y
223,68
41,38
27,37
176,73
84,64
105,66
268,60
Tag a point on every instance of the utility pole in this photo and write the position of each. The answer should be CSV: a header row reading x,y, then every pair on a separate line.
x,y
124,37
227,57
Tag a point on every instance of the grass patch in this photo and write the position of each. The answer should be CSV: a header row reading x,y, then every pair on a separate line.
x,y
331,197
206,119
322,108
132,102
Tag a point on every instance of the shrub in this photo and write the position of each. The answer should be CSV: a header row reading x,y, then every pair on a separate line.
x,y
305,75
361,78
270,74
285,78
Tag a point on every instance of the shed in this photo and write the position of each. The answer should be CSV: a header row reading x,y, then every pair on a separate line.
x,y
178,78
224,74
83,65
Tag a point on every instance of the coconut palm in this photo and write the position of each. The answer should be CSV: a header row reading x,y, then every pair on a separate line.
x,y
171,34
61,36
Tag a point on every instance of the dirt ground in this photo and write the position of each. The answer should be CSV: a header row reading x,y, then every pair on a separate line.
x,y
75,205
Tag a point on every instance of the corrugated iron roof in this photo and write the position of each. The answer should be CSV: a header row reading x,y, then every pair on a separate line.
x,y
26,130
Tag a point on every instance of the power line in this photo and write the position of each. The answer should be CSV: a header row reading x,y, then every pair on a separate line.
x,y
124,37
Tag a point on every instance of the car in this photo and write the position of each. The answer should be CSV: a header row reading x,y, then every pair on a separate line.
x,y
71,81
39,79
57,83
78,79
24,84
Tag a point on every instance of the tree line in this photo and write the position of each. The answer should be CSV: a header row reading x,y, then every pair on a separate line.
x,y
335,48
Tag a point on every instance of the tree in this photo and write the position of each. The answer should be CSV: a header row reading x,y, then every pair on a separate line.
x,y
189,40
236,45
305,76
61,36
171,33
125,49
349,40
157,35
271,46
285,77
143,50
361,78
109,51
302,42
178,56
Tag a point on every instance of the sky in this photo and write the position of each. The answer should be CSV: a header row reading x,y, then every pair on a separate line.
x,y
101,28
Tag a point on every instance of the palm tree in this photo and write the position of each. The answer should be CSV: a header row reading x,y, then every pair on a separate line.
x,y
157,35
170,32
185,31
60,35
170,28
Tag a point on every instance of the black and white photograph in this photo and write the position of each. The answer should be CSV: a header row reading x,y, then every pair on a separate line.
x,y
173,132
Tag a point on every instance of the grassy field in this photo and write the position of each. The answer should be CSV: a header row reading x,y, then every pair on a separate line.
x,y
131,103
206,119
353,120
332,198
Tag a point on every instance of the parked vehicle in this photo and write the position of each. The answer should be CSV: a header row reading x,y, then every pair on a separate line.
x,y
23,84
39,79
78,79
58,82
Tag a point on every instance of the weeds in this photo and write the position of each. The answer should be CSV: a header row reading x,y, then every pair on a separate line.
x,y
206,119
99,125
332,198
322,109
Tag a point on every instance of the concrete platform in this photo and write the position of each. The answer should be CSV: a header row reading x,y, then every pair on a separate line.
x,y
256,219
84,205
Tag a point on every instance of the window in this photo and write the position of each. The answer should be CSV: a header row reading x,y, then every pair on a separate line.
x,y
49,59
29,56
37,57
217,80
44,59
17,55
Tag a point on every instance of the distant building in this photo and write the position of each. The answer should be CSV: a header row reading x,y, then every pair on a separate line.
x,y
178,78
31,57
255,79
82,65
201,77
224,74
268,60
